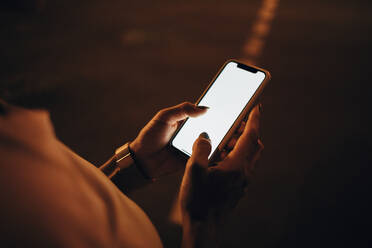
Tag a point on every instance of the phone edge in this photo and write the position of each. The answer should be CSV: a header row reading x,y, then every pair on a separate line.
x,y
249,106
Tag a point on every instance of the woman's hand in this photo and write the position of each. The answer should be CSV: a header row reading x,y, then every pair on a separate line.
x,y
150,146
209,193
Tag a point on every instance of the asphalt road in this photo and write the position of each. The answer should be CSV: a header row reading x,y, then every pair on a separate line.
x,y
104,68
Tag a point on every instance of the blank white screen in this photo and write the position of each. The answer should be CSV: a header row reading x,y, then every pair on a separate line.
x,y
226,99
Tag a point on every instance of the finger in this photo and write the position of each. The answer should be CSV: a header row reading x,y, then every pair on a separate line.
x,y
231,143
241,127
201,150
223,155
180,112
247,142
251,165
193,187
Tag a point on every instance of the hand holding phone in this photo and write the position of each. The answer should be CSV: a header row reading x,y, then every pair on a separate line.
x,y
151,145
230,96
209,193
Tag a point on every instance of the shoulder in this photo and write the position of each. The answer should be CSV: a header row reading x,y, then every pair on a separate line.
x,y
43,201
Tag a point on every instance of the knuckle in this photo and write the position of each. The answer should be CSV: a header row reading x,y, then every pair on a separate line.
x,y
161,113
184,105
204,144
187,103
187,106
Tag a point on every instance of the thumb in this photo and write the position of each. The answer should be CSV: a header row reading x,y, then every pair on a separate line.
x,y
201,150
193,194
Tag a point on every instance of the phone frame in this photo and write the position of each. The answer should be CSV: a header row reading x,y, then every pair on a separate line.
x,y
248,107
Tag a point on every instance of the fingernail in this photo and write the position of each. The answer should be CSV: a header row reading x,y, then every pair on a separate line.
x,y
202,107
204,135
260,107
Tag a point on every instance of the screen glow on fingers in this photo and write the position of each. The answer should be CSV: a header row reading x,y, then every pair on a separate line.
x,y
226,99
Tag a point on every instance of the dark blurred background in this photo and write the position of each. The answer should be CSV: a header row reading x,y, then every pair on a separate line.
x,y
104,68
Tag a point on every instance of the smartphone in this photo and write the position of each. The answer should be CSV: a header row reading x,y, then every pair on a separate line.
x,y
230,96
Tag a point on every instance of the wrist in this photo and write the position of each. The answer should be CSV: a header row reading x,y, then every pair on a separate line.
x,y
136,148
123,170
198,233
138,161
132,176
